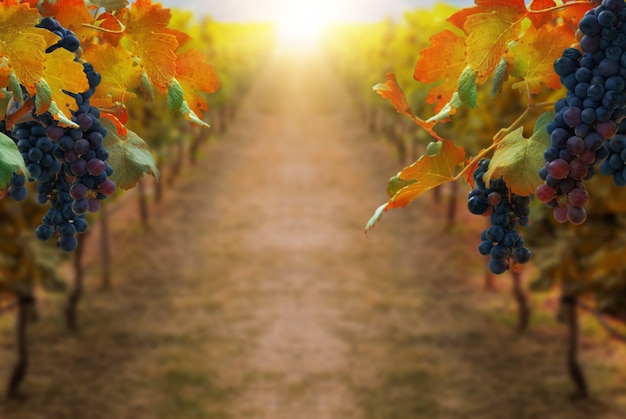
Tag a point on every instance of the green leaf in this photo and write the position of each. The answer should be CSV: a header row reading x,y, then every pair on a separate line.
x,y
518,160
11,160
467,87
378,214
449,109
500,76
175,96
16,88
43,98
129,156
396,183
191,115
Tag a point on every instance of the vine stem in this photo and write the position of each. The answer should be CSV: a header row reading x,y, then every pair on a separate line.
x,y
575,371
500,136
25,304
555,8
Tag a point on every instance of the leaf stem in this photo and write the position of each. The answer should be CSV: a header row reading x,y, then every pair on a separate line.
x,y
558,7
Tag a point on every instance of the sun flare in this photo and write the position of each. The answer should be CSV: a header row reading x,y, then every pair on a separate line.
x,y
301,25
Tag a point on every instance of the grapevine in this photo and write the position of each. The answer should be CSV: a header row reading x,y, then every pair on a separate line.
x,y
564,61
69,72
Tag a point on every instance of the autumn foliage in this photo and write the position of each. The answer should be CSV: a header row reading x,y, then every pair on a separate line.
x,y
496,41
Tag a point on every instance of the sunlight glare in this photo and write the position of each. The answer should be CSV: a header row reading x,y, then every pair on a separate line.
x,y
301,25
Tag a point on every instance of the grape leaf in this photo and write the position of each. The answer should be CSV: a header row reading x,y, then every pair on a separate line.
x,y
428,172
541,19
112,26
489,33
129,156
448,110
518,160
62,74
22,43
392,92
458,19
425,174
176,103
195,74
443,61
11,160
533,56
5,73
152,41
118,70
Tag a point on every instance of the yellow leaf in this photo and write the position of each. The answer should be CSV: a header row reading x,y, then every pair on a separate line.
x,y
489,34
518,160
118,71
22,43
63,73
153,42
532,58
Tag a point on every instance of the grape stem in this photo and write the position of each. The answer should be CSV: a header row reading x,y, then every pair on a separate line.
x,y
556,8
500,136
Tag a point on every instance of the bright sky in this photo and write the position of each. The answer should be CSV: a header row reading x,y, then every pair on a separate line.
x,y
274,10
301,21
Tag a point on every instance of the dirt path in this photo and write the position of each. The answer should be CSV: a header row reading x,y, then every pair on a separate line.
x,y
255,294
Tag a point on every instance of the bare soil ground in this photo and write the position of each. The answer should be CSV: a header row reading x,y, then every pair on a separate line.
x,y
256,295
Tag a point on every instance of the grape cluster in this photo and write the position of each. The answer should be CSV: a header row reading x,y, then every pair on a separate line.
x,y
69,164
501,240
68,40
37,150
587,119
615,164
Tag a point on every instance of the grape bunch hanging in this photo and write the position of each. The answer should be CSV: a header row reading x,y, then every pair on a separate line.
x,y
69,164
587,129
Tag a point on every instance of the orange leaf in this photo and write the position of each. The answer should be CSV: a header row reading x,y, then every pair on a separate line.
x,y
116,66
22,43
489,33
428,172
533,56
119,126
540,19
458,19
181,37
195,74
71,14
443,61
112,24
152,41
392,92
